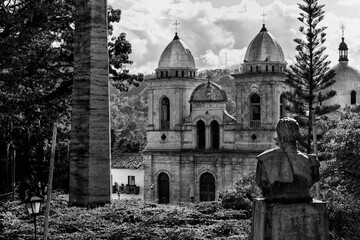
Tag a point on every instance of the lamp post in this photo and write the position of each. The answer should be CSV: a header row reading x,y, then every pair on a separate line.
x,y
152,192
33,206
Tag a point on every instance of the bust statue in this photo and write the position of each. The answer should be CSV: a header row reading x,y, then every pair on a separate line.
x,y
285,174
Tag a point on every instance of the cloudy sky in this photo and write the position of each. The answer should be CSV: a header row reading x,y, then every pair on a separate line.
x,y
215,28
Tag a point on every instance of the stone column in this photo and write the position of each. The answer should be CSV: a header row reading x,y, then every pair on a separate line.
x,y
90,131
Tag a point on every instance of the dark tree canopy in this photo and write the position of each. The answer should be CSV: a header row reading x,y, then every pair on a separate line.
x,y
342,141
310,77
36,72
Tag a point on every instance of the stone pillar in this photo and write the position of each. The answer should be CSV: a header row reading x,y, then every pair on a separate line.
x,y
207,137
297,221
90,131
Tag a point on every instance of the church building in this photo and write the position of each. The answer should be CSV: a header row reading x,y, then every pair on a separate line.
x,y
195,147
347,78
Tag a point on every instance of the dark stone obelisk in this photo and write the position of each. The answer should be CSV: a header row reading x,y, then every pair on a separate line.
x,y
90,131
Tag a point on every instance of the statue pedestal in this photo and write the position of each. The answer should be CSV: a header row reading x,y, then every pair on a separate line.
x,y
296,221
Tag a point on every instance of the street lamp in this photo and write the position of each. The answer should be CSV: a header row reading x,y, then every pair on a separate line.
x,y
33,206
152,191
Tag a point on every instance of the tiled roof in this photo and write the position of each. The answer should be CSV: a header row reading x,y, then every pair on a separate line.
x,y
126,160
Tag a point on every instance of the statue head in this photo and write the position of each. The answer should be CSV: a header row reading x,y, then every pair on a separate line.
x,y
288,130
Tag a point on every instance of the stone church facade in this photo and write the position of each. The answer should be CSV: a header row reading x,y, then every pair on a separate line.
x,y
195,147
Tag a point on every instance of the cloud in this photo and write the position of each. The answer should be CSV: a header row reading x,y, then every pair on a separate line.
x,y
210,31
348,3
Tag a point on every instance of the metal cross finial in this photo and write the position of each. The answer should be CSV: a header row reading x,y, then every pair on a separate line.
x,y
208,77
342,29
263,15
176,24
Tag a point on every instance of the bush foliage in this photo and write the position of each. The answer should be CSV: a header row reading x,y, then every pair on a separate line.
x,y
127,219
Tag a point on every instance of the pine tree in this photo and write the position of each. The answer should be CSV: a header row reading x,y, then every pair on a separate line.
x,y
310,77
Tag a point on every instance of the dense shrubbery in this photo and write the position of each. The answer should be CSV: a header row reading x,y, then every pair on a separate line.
x,y
343,209
242,196
127,219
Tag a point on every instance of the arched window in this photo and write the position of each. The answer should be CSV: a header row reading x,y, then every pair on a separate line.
x,y
255,116
282,105
352,97
165,114
162,74
201,138
163,188
207,187
215,135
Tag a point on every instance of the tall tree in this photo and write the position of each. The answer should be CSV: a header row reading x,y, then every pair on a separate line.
x,y
310,77
36,76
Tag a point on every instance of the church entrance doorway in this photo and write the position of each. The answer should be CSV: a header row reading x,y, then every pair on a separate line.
x,y
164,188
207,187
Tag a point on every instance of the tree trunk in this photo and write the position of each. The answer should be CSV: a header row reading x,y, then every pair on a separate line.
x,y
90,131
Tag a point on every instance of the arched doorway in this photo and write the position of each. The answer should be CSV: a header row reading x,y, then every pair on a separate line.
x,y
207,187
164,188
215,135
200,130
352,97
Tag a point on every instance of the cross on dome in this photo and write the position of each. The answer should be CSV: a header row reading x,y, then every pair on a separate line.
x,y
342,29
176,24
263,15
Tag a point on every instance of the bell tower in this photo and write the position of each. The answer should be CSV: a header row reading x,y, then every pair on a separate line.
x,y
259,86
169,94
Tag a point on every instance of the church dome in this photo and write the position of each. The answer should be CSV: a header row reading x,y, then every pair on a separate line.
x,y
208,92
176,55
264,48
347,77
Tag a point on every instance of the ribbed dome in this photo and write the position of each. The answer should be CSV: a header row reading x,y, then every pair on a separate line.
x,y
208,92
264,48
176,55
347,80
346,77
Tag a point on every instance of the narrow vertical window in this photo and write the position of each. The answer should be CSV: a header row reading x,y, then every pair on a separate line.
x,y
282,106
182,73
267,68
201,137
162,74
131,180
165,114
352,97
255,116
176,73
215,135
166,74
273,68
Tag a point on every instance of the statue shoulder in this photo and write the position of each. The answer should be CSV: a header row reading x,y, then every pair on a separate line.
x,y
314,160
269,154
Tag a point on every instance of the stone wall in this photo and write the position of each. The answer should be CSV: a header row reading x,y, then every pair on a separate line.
x,y
185,169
